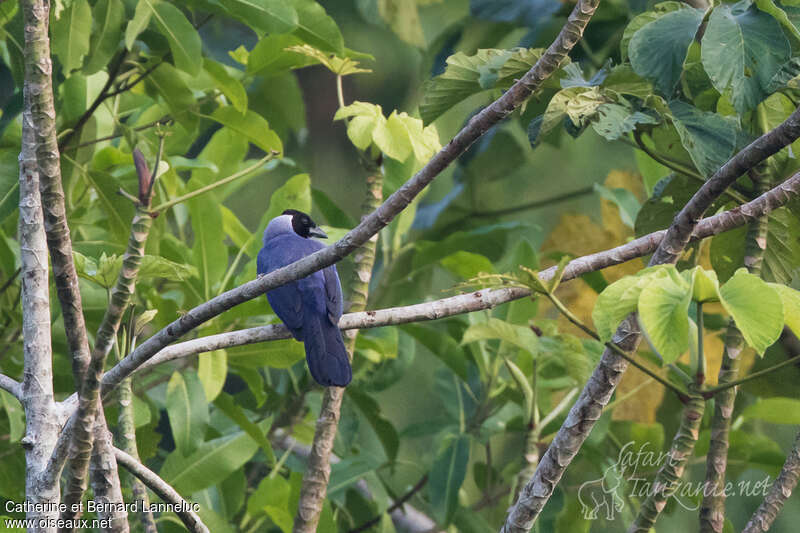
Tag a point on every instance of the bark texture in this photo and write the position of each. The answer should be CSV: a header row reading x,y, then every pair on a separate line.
x,y
105,479
318,468
712,507
41,428
778,493
668,479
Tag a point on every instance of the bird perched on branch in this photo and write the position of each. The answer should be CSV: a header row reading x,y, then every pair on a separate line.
x,y
309,307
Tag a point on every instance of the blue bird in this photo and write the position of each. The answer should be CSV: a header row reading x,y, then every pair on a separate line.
x,y
309,307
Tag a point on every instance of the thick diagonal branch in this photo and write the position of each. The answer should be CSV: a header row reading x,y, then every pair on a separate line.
x,y
379,218
183,509
318,469
490,298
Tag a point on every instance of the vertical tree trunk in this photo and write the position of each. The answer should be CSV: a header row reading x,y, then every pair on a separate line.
x,y
318,471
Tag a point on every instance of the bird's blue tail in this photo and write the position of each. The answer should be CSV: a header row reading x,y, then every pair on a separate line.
x,y
325,352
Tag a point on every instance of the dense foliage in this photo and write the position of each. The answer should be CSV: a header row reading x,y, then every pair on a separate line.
x,y
271,92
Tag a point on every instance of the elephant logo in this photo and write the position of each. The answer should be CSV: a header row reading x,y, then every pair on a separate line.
x,y
602,494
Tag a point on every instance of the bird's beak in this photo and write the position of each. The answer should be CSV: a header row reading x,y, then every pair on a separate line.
x,y
318,233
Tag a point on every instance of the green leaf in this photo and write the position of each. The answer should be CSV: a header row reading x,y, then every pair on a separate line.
x,y
226,403
109,16
212,369
383,428
316,28
659,48
617,120
643,19
781,256
709,138
624,199
440,345
467,265
184,41
210,258
251,125
620,299
188,411
742,49
663,313
213,461
520,336
276,354
167,81
447,474
580,104
791,306
769,6
704,283
71,35
523,382
272,498
459,81
774,411
263,16
755,307
139,22
227,84
270,55
341,66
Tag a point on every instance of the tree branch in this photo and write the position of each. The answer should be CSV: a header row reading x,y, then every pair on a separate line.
x,y
11,386
608,372
712,508
318,469
105,478
83,431
164,491
379,218
37,380
778,493
669,475
489,298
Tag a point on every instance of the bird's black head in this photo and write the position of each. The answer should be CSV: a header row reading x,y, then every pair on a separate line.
x,y
303,225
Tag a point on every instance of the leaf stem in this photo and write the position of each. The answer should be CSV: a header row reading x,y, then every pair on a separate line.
x,y
700,373
212,186
708,393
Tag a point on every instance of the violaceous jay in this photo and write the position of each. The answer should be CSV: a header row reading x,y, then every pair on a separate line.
x,y
309,307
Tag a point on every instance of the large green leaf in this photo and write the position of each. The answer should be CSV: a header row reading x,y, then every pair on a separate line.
x,y
71,35
383,428
272,498
520,336
643,19
212,369
209,257
447,474
251,125
620,299
167,81
659,48
663,313
781,256
615,120
139,22
225,402
791,306
188,411
227,84
213,461
709,138
184,41
441,345
756,308
263,16
317,28
109,15
774,410
742,49
270,55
